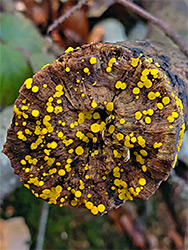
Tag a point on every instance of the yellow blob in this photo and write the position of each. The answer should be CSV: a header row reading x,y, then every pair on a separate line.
x,y
175,114
119,136
23,162
89,205
145,72
35,89
148,120
108,69
86,70
148,84
142,181
50,109
136,90
140,84
67,69
69,50
61,172
144,168
160,105
154,71
93,104
134,62
122,121
79,150
101,208
151,95
28,82
93,60
138,115
143,152
78,194
111,129
150,112
59,87
110,106
166,100
118,84
95,127
35,112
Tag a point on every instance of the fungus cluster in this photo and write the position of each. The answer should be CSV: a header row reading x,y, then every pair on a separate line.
x,y
99,126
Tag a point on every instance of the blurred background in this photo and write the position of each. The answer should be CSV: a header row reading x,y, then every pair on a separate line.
x,y
26,46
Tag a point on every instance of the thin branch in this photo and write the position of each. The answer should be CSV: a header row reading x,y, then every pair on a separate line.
x,y
66,15
168,32
42,226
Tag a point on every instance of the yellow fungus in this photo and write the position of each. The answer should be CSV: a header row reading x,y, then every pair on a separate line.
x,y
136,90
45,66
110,106
35,112
151,95
41,183
134,62
143,78
96,115
78,194
86,70
119,136
28,82
23,162
61,172
148,120
148,84
94,210
35,89
93,60
69,50
111,129
73,203
53,144
79,150
160,105
89,205
108,69
145,72
143,152
118,84
154,71
67,69
170,118
166,100
101,208
122,121
50,109
140,84
93,104
142,181
175,114
157,144
59,87
95,127
133,139
144,168
138,115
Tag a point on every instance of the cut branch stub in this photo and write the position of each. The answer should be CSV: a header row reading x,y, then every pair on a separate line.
x,y
101,125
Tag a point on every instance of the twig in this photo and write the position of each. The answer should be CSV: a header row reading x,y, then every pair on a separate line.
x,y
170,33
66,15
42,226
